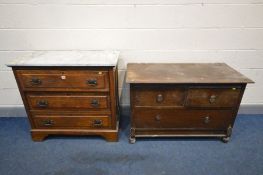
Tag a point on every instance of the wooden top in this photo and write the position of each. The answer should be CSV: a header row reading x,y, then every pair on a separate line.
x,y
67,58
183,73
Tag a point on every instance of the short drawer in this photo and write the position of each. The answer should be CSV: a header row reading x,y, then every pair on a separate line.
x,y
213,97
154,96
70,79
61,101
184,119
72,121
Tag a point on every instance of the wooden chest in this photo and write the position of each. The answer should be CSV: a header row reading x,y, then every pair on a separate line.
x,y
69,93
184,100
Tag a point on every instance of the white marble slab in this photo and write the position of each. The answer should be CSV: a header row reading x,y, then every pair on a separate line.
x,y
67,58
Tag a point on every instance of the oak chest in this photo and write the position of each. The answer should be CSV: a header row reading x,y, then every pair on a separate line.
x,y
184,100
69,93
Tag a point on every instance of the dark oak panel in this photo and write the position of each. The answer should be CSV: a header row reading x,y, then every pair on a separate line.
x,y
177,132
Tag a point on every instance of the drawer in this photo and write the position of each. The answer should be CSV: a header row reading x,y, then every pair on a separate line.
x,y
70,79
213,97
61,101
154,96
180,118
72,121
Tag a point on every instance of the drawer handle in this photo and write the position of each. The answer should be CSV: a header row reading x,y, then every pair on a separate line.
x,y
212,98
92,82
97,122
35,81
158,118
94,103
159,98
48,122
207,120
42,103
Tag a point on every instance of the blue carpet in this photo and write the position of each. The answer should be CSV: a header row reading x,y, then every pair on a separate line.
x,y
243,155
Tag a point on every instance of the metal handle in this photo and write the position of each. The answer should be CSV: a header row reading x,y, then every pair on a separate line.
x,y
42,103
95,103
97,122
207,120
159,98
158,118
35,81
48,122
212,98
92,82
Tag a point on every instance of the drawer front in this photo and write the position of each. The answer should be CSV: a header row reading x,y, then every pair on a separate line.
x,y
159,97
64,121
213,97
67,102
63,79
184,119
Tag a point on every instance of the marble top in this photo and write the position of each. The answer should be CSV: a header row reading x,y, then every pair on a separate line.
x,y
67,58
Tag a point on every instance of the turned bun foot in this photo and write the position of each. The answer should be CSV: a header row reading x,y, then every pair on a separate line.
x,y
132,140
225,139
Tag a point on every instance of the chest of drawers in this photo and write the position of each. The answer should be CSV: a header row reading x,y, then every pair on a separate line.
x,y
184,100
69,93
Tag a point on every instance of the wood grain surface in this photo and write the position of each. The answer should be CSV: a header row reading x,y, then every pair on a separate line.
x,y
183,73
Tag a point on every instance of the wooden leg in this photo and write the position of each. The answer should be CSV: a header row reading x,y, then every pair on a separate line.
x,y
228,134
132,138
111,137
38,137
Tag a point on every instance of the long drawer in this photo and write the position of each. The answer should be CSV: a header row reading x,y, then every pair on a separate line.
x,y
66,101
71,121
181,118
70,79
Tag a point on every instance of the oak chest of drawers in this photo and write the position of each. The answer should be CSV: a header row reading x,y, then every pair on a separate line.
x,y
69,93
184,100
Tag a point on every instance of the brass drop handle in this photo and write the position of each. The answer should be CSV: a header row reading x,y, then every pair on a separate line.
x,y
35,81
158,118
92,82
42,103
97,122
94,103
159,98
212,98
207,120
48,122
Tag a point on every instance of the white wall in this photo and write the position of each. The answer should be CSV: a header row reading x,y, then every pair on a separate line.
x,y
228,31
